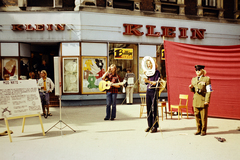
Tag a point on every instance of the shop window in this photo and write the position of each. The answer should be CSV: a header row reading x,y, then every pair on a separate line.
x,y
124,4
169,1
124,56
209,3
44,3
238,5
71,75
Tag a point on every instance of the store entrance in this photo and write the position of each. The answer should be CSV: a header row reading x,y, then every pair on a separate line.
x,y
42,55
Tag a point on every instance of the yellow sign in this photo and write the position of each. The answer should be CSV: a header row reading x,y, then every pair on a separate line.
x,y
163,54
123,53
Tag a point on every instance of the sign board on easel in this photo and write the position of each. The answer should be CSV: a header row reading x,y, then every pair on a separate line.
x,y
19,99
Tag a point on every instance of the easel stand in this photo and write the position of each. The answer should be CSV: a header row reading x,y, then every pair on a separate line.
x,y
24,118
60,120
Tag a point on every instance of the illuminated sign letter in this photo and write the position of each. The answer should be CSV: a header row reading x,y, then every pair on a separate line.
x,y
60,27
132,29
151,31
168,31
197,33
183,33
49,28
39,27
17,27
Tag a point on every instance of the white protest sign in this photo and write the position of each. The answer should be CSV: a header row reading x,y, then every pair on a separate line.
x,y
19,98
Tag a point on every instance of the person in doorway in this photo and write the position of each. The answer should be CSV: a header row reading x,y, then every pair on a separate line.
x,y
201,86
45,86
111,76
151,98
130,79
44,66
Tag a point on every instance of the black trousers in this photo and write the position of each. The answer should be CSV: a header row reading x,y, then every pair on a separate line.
x,y
152,112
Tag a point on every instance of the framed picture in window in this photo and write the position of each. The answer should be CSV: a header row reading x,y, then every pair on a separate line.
x,y
71,75
10,67
93,69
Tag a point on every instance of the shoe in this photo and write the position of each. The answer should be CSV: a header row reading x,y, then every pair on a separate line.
x,y
153,130
105,119
197,133
147,130
49,114
203,134
112,119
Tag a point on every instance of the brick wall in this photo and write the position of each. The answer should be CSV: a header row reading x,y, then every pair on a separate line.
x,y
191,7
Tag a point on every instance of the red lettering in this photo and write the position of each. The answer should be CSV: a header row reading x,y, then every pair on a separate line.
x,y
39,27
132,29
29,27
168,31
151,31
197,33
17,27
60,27
49,27
183,32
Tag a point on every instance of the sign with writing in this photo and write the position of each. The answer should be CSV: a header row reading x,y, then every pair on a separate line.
x,y
123,53
19,98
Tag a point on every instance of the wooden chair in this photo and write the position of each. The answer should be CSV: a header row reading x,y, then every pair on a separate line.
x,y
180,106
143,103
162,104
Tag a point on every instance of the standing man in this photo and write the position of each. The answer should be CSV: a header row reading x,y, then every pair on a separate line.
x,y
151,98
130,79
46,86
111,76
201,86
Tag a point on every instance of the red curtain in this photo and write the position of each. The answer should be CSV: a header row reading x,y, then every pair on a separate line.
x,y
222,64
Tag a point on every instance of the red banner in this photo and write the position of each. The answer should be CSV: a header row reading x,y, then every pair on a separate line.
x,y
222,64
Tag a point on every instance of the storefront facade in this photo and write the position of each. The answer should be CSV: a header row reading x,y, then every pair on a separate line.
x,y
88,42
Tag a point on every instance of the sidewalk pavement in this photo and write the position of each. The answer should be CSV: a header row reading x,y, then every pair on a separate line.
x,y
121,139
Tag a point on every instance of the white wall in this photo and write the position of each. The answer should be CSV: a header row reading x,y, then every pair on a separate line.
x,y
9,49
109,27
71,32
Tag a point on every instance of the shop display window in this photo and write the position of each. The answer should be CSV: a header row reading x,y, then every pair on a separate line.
x,y
71,75
93,69
124,56
24,68
10,66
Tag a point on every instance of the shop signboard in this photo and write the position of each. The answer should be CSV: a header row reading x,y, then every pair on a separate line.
x,y
123,53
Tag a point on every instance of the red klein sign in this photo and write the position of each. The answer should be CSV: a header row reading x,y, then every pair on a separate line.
x,y
132,29
38,27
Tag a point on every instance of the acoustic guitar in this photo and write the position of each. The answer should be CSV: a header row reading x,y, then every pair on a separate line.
x,y
105,85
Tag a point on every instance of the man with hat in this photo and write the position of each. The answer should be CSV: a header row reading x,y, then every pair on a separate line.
x,y
201,86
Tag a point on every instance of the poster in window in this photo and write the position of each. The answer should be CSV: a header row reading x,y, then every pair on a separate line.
x,y
142,86
163,54
123,53
93,69
70,75
10,67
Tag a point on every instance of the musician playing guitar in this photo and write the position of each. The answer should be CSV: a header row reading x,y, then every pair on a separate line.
x,y
111,76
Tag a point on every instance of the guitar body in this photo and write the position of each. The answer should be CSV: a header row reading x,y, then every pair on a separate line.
x,y
104,85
